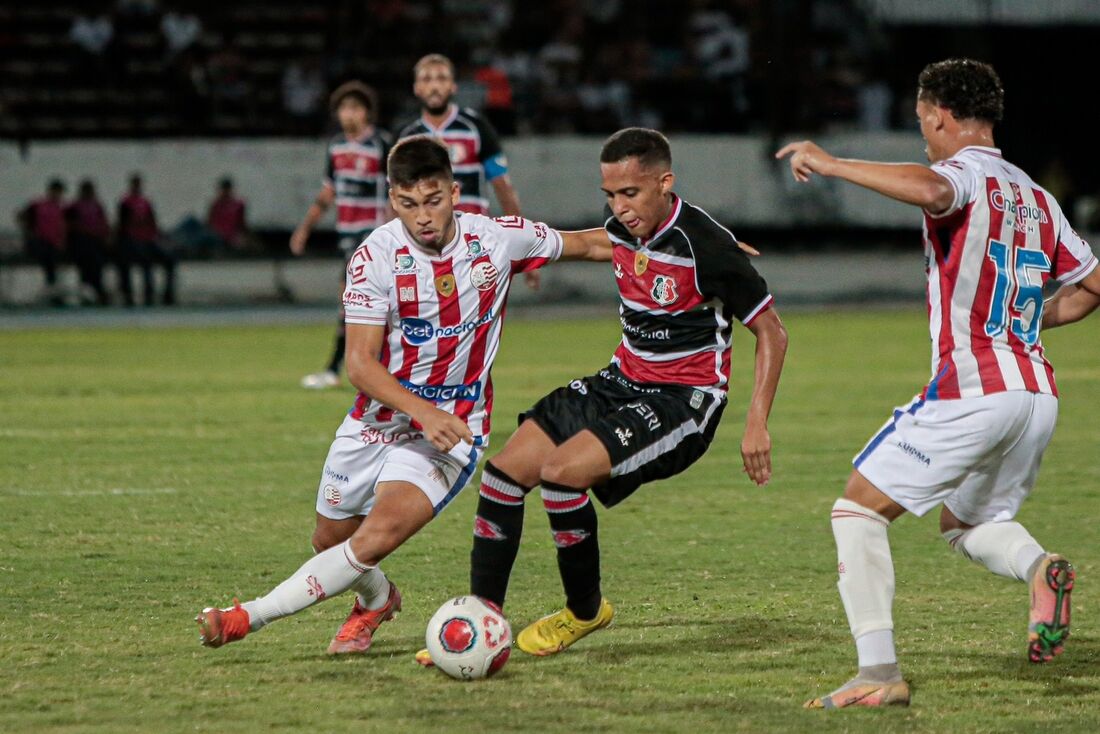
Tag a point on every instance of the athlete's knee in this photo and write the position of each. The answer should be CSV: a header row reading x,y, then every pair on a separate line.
x,y
561,470
325,538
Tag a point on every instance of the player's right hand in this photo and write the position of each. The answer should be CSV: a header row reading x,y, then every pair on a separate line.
x,y
445,430
807,158
298,241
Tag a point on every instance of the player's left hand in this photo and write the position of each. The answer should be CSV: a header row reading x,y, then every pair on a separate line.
x,y
807,158
756,452
532,278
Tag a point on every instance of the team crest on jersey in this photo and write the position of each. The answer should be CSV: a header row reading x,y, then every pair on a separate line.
x,y
445,284
641,263
483,275
403,264
664,290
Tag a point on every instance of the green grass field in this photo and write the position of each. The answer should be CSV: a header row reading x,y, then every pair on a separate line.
x,y
147,474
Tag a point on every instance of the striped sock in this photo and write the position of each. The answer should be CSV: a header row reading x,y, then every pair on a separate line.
x,y
498,528
573,525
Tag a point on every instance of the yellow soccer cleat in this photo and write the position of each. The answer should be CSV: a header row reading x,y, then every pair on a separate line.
x,y
557,631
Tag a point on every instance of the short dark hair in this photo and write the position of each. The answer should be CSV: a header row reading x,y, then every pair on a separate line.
x,y
648,146
970,89
55,184
417,158
360,91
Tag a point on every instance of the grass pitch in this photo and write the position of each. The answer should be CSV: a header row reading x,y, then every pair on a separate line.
x,y
146,474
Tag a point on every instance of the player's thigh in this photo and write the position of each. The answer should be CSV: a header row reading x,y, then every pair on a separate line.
x,y
581,462
524,453
928,449
439,475
347,483
328,533
652,437
400,511
996,493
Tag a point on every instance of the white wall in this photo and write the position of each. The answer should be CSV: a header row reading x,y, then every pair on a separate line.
x,y
557,178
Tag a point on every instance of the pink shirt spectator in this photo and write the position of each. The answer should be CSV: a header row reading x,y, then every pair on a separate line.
x,y
47,221
226,218
136,219
87,217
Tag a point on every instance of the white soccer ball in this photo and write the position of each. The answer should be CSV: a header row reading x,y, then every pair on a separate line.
x,y
469,638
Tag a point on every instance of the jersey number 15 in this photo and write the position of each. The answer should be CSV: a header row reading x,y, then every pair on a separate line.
x,y
1019,278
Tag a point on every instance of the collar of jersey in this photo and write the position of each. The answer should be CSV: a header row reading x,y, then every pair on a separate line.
x,y
672,217
988,150
451,115
448,249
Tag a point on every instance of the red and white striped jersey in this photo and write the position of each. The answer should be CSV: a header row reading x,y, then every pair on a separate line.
x,y
443,313
356,171
679,293
988,257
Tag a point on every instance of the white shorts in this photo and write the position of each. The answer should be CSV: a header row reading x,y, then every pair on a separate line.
x,y
979,456
363,455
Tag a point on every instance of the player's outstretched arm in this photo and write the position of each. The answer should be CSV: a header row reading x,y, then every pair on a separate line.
x,y
910,183
367,374
586,244
1073,302
771,348
316,210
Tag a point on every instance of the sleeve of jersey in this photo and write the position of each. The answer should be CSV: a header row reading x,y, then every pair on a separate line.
x,y
725,273
366,295
962,180
1073,258
491,153
530,244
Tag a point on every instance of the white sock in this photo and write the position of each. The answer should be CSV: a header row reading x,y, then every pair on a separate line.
x,y
373,589
328,573
866,583
1005,548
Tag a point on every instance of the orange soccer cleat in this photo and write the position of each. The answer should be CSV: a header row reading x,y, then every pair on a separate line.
x,y
357,632
218,627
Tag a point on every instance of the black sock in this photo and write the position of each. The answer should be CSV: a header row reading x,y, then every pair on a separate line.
x,y
573,524
498,528
338,350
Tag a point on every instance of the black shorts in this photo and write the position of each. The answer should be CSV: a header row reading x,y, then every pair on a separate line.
x,y
650,431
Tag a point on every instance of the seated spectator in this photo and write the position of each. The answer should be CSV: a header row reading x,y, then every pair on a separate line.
x,y
43,222
88,233
226,218
92,34
138,243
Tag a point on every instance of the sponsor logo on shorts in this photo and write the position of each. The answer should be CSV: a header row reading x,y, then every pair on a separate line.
x,y
373,436
696,399
332,495
579,386
647,414
914,452
489,530
664,290
624,434
607,375
566,538
420,331
483,276
443,393
335,476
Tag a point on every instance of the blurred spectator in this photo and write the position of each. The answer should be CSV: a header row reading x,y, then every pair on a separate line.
x,y
303,93
43,222
559,71
138,244
721,49
181,31
498,108
226,217
88,235
92,34
137,7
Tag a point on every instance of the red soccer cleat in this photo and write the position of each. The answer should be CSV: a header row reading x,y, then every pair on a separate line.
x,y
218,627
357,632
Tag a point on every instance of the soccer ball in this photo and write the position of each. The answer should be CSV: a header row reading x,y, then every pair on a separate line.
x,y
469,638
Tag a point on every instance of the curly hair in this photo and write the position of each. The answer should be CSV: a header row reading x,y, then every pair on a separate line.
x,y
970,89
